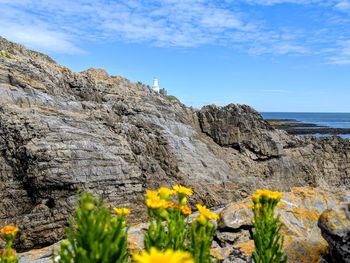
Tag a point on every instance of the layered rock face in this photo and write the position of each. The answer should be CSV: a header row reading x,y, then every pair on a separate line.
x,y
62,131
242,128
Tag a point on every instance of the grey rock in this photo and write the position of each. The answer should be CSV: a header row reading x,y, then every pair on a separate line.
x,y
241,127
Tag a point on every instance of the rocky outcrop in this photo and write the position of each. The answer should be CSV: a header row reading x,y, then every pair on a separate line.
x,y
240,127
61,131
299,212
335,226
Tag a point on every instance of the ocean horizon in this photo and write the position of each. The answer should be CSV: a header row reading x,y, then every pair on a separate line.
x,y
328,119
325,119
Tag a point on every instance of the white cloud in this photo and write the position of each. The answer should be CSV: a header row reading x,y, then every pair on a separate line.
x,y
276,2
32,32
58,25
342,56
36,37
343,5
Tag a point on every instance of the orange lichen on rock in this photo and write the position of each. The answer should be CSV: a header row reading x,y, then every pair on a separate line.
x,y
304,191
246,247
303,250
217,253
135,242
310,214
281,205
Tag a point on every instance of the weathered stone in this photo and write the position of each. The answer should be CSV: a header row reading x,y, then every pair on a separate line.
x,y
240,126
335,227
299,212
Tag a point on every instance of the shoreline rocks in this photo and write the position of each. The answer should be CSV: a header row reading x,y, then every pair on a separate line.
x,y
299,128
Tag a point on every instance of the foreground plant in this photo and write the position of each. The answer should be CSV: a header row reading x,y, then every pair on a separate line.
x,y
267,239
94,235
8,254
168,219
202,231
169,228
169,256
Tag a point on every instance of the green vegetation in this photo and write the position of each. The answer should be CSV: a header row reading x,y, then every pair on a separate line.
x,y
168,220
202,232
172,99
8,254
94,235
98,235
169,227
267,239
5,54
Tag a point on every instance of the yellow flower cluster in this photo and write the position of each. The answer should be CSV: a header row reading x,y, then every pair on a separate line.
x,y
154,201
9,231
183,190
261,196
121,211
165,193
205,212
186,210
161,198
169,256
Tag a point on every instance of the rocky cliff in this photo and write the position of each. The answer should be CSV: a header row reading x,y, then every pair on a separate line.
x,y
62,131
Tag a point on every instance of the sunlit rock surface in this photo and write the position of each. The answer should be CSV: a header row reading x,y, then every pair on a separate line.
x,y
299,212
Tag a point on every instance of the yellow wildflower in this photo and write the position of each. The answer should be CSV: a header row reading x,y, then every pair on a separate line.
x,y
183,200
121,211
170,204
9,231
165,192
169,256
183,190
186,210
151,194
206,212
262,195
156,202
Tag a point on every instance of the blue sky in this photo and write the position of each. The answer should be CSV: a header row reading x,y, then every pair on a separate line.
x,y
275,55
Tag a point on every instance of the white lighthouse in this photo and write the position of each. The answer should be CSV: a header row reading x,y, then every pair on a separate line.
x,y
155,85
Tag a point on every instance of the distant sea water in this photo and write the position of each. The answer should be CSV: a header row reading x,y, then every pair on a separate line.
x,y
332,120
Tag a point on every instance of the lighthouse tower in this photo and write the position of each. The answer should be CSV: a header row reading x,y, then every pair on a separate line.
x,y
155,85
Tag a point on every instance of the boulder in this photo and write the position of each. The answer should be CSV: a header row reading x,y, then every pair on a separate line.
x,y
335,227
240,126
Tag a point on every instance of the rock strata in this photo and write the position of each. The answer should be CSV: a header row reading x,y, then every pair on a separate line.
x,y
240,127
61,131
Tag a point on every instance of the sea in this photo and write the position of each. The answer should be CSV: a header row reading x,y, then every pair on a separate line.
x,y
332,120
